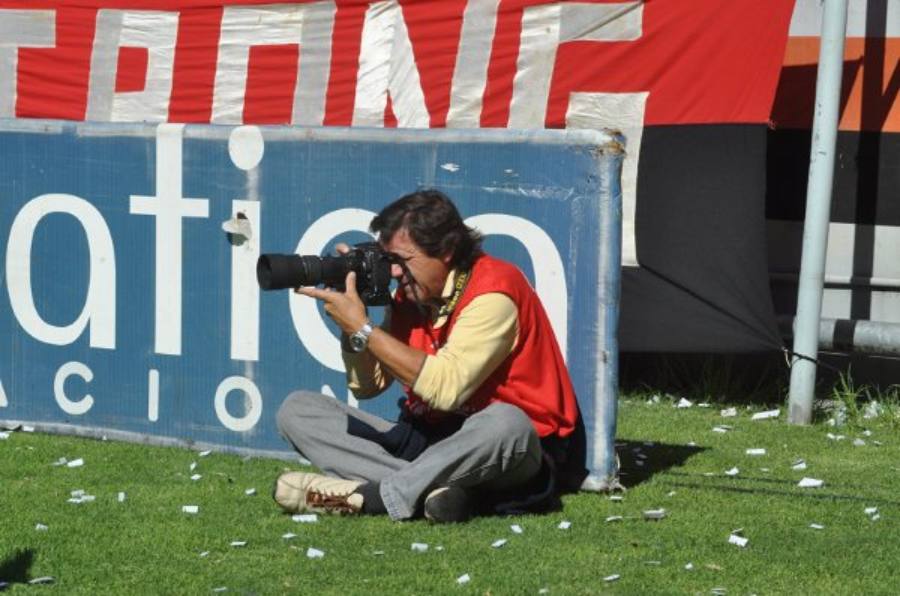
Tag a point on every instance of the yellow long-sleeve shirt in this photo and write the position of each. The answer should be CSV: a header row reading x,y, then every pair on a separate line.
x,y
485,333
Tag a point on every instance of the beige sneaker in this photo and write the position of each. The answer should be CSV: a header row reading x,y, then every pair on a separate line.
x,y
298,492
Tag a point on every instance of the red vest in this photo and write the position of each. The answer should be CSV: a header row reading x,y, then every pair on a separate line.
x,y
533,377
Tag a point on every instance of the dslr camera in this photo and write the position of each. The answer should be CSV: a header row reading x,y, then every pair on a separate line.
x,y
370,262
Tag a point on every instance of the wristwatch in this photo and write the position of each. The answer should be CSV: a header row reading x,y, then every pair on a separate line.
x,y
360,339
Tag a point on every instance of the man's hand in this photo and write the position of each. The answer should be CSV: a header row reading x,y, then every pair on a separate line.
x,y
346,308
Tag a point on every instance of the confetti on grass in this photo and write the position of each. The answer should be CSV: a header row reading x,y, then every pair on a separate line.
x,y
463,579
305,518
75,463
766,415
738,540
564,525
516,529
419,547
190,509
314,553
810,483
498,543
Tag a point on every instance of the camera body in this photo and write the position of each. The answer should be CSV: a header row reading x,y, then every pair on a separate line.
x,y
368,260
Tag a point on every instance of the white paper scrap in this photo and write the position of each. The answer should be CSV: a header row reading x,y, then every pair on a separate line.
x,y
77,493
859,442
728,412
756,451
238,543
4,435
314,553
220,589
654,514
732,472
204,554
288,535
767,414
817,526
704,404
450,167
250,492
305,518
671,493
196,477
867,433
611,578
419,547
463,579
60,462
377,553
41,527
205,453
876,517
564,525
516,529
617,498
720,429
871,510
614,518
75,463
810,483
41,580
439,547
193,466
738,540
498,543
121,497
798,465
689,566
684,403
190,508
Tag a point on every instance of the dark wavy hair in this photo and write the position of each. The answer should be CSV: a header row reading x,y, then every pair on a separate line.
x,y
433,223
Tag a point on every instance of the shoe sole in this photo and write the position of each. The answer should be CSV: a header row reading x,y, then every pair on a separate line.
x,y
451,505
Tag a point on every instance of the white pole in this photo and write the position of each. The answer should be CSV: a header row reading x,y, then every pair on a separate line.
x,y
818,210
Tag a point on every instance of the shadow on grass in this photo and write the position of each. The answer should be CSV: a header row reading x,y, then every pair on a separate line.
x,y
14,569
639,460
817,494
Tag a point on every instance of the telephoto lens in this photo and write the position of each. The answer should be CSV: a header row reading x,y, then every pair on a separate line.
x,y
279,272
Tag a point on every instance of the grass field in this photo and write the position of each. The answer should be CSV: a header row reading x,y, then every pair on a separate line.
x,y
147,545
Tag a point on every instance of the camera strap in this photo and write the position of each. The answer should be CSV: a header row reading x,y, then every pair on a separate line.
x,y
459,287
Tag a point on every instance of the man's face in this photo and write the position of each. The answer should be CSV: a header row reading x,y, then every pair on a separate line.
x,y
428,273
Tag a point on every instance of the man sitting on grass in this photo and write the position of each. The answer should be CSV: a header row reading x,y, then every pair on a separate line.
x,y
489,422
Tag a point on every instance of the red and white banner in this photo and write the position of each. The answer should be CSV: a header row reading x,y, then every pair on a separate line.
x,y
493,63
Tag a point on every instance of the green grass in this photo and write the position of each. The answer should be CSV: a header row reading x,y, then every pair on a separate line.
x,y
146,545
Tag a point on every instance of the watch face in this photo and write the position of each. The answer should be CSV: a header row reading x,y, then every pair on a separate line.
x,y
358,342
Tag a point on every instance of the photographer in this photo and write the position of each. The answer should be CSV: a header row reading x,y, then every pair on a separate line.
x,y
489,422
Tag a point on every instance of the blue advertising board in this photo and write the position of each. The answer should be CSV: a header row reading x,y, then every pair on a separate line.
x,y
130,306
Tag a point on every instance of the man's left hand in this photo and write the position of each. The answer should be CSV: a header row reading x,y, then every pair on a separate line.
x,y
346,308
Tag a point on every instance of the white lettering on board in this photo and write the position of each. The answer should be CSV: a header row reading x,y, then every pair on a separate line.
x,y
169,207
99,309
71,407
253,404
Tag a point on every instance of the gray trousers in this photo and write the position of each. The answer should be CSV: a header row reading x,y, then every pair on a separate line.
x,y
495,449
